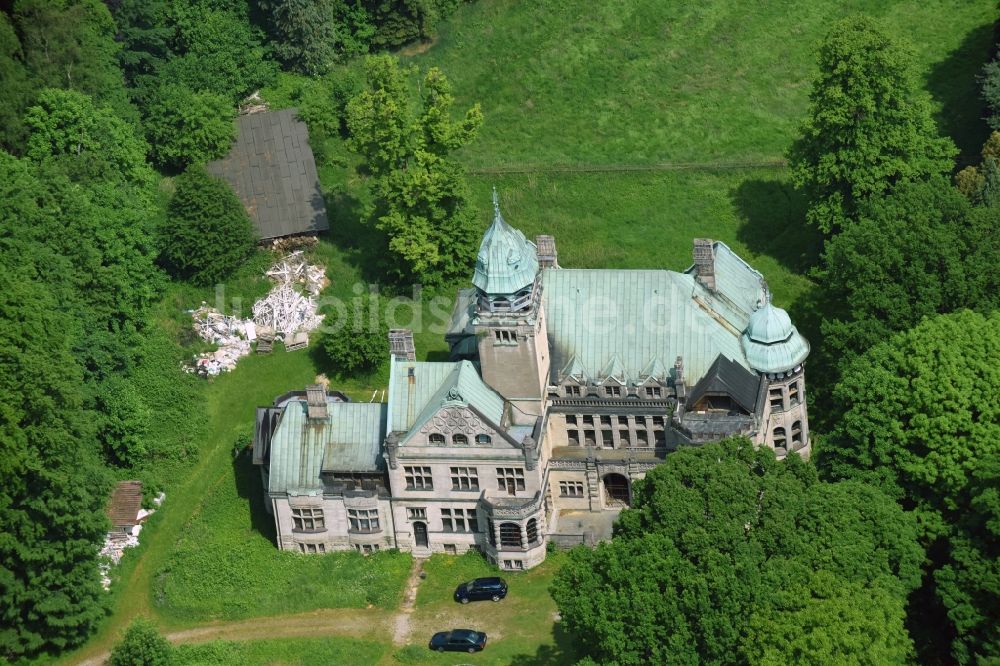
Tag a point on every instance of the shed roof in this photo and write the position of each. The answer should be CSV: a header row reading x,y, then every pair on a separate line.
x,y
727,377
125,503
349,439
272,169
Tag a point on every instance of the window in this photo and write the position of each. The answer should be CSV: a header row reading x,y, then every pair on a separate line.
x,y
613,391
640,437
510,535
573,391
513,564
654,392
659,438
416,513
484,440
797,432
366,549
793,393
307,520
571,488
588,438
605,420
459,520
606,440
777,401
531,529
459,440
573,437
312,548
623,438
437,439
510,479
464,478
491,534
657,421
504,337
588,420
363,520
571,419
623,420
779,438
418,478
449,549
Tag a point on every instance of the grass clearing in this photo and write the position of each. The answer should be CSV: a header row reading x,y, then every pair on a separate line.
x,y
333,651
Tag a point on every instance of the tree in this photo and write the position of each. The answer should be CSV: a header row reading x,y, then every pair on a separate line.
x,y
306,32
990,81
144,32
421,199
207,234
920,251
921,412
356,337
141,645
186,127
16,92
869,129
724,533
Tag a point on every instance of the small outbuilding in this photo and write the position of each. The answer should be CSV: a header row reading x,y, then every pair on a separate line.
x,y
272,170
124,507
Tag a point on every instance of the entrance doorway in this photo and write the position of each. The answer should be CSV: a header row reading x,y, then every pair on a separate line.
x,y
420,534
616,493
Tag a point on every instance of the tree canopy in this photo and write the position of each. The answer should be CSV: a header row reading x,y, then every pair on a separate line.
x,y
421,198
141,645
186,127
869,129
355,337
721,537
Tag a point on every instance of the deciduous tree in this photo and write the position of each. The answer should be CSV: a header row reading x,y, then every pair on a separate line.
x,y
869,127
186,127
141,645
356,336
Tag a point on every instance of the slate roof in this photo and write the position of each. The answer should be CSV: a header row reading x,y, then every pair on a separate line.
x,y
417,390
349,439
125,504
272,169
727,377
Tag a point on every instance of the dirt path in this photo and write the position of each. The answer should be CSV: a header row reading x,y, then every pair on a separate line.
x,y
356,622
401,622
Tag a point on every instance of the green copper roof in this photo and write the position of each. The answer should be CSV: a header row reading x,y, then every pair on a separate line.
x,y
640,316
417,390
507,261
771,343
349,439
739,288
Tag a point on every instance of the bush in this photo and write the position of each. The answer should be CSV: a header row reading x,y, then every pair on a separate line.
x,y
142,645
356,336
186,127
207,234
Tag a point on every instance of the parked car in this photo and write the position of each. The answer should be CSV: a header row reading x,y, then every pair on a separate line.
x,y
481,588
458,640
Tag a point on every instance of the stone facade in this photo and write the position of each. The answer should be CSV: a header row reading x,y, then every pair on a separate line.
x,y
491,458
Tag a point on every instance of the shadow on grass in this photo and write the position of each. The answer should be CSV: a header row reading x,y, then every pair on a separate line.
x,y
250,488
954,84
563,652
774,215
362,244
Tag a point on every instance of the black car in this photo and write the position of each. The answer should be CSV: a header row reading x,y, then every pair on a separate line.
x,y
481,588
458,640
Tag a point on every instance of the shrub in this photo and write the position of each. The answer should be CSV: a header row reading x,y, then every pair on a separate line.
x,y
207,233
186,127
356,337
141,645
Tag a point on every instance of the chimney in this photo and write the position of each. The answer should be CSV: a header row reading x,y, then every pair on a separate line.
x,y
546,251
316,402
704,262
401,344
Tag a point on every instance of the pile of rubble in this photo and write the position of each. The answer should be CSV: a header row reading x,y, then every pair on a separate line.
x,y
115,543
289,312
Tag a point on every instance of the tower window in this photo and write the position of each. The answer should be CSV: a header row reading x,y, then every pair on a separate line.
x,y
776,398
797,432
779,438
504,337
793,393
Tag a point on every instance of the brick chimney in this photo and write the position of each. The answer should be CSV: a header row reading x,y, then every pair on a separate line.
x,y
548,257
401,344
704,262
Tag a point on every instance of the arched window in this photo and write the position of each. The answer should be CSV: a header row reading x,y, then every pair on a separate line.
x,y
437,438
779,438
510,535
532,529
484,440
797,432
459,439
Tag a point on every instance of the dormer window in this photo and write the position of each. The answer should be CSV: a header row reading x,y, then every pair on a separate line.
x,y
437,439
654,392
573,391
613,391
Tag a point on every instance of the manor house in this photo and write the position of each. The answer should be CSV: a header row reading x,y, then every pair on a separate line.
x,y
564,387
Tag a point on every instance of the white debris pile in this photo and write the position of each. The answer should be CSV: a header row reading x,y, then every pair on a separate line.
x,y
115,543
289,310
231,335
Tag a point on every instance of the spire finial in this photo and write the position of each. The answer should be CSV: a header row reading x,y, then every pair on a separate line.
x,y
496,202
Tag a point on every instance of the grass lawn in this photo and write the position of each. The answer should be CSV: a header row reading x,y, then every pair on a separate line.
x,y
290,652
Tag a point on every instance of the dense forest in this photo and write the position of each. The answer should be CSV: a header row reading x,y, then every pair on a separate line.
x,y
885,548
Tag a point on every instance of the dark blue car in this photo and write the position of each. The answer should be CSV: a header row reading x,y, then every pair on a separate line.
x,y
481,588
458,640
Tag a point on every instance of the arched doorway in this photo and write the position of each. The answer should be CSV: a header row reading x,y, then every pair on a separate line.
x,y
616,493
420,534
